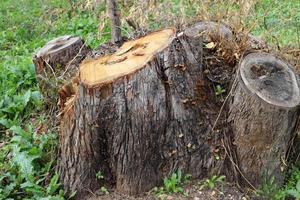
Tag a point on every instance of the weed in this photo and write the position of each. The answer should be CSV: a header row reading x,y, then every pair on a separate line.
x,y
103,190
219,90
27,158
212,182
26,165
270,190
295,192
99,175
292,186
173,184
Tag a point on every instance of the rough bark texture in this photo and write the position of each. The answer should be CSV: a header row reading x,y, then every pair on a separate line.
x,y
141,127
263,113
114,15
210,29
57,61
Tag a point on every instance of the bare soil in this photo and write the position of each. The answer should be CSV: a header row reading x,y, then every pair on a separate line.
x,y
192,191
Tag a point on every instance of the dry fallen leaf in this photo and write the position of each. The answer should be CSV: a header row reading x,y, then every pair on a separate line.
x,y
210,45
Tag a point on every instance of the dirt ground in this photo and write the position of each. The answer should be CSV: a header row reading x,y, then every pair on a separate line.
x,y
192,192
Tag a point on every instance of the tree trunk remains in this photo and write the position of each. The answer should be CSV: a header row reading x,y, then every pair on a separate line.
x,y
263,113
114,15
149,109
56,61
210,30
138,115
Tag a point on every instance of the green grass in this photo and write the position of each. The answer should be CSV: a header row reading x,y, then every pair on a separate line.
x,y
278,21
26,26
27,158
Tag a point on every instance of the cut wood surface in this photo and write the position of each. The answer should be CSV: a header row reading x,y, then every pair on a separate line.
x,y
132,56
57,61
139,115
263,112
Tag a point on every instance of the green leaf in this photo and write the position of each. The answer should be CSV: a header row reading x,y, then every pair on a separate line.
x,y
5,122
24,162
27,184
26,97
35,152
220,179
19,131
53,185
294,193
36,95
298,186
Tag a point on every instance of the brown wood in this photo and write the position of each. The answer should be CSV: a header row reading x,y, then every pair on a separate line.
x,y
114,15
263,113
149,109
210,29
56,61
138,115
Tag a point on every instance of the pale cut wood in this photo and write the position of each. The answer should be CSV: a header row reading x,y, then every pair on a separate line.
x,y
152,116
263,114
132,56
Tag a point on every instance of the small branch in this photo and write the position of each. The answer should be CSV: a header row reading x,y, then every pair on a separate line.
x,y
70,62
114,15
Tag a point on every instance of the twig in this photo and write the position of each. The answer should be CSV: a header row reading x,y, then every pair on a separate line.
x,y
51,68
224,103
70,62
237,167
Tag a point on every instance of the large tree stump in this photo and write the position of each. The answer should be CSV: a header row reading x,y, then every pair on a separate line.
x,y
263,114
57,61
139,115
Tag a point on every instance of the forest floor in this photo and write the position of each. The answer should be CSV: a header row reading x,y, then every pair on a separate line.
x,y
191,190
28,131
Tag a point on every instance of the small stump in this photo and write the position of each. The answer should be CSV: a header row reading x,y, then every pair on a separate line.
x,y
57,61
263,113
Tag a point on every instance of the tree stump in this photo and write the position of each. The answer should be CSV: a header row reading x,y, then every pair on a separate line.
x,y
57,61
263,114
138,115
210,30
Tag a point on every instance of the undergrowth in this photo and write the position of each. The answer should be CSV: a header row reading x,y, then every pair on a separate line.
x,y
172,184
27,146
270,190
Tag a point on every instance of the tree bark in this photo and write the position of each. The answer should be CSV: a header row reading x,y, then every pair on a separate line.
x,y
210,29
57,61
263,114
150,108
114,15
138,123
